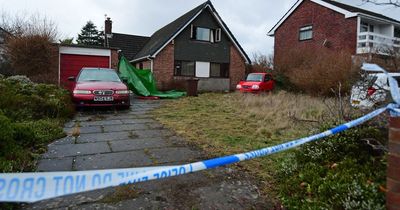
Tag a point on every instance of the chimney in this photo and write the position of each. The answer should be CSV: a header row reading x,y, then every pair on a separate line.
x,y
108,26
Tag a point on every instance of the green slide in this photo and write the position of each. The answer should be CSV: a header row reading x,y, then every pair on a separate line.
x,y
141,81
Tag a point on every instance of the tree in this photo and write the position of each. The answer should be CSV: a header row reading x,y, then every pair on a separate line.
x,y
90,35
261,63
395,3
66,41
30,49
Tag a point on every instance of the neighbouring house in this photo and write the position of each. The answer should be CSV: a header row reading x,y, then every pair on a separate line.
x,y
198,44
335,26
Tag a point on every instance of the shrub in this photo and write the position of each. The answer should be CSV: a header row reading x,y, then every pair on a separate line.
x,y
335,173
316,72
31,115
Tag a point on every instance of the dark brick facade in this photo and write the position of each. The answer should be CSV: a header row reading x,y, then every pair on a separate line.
x,y
340,33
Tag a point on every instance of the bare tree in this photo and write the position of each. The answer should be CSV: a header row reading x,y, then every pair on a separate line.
x,y
261,62
395,3
29,48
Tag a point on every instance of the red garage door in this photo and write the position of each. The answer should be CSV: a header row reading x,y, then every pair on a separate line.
x,y
70,65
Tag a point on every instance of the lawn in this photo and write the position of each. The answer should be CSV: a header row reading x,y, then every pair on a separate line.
x,y
224,124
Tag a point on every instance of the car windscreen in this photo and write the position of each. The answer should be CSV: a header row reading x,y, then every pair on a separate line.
x,y
254,77
98,75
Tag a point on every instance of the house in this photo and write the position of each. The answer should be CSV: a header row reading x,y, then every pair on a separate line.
x,y
335,26
197,44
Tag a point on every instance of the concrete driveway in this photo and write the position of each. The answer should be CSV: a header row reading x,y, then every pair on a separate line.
x,y
132,138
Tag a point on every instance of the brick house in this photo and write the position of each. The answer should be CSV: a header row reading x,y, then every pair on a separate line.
x,y
197,44
334,26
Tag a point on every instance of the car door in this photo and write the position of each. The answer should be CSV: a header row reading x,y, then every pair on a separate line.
x,y
268,83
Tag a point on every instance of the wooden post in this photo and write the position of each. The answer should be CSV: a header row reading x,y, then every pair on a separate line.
x,y
393,168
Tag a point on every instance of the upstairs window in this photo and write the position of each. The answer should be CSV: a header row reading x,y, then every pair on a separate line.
x,y
305,33
205,34
366,27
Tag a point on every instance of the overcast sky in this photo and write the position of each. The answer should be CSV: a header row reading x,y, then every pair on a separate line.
x,y
249,20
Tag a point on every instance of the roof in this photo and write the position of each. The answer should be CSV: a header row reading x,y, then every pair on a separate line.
x,y
359,10
129,44
347,10
164,35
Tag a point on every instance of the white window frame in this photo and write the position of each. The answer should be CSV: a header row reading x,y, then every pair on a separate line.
x,y
306,31
202,69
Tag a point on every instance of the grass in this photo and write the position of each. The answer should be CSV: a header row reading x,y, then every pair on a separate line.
x,y
224,124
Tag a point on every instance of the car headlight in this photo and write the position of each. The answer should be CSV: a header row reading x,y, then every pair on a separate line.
x,y
122,92
238,86
255,87
82,92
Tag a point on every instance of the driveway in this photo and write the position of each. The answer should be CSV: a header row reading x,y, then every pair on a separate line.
x,y
108,139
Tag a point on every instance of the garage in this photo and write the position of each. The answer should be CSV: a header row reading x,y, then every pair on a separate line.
x,y
73,59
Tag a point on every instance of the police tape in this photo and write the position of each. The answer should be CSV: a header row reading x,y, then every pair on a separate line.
x,y
32,187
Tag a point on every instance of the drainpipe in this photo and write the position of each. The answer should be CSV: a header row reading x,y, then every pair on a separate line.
x,y
151,64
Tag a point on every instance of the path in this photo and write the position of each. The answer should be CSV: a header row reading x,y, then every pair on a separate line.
x,y
132,138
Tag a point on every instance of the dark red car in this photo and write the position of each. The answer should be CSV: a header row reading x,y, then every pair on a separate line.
x,y
256,83
99,87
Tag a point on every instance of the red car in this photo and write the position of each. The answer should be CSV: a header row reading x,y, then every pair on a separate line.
x,y
256,83
99,87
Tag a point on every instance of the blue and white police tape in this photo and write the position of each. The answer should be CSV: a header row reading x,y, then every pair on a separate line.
x,y
31,187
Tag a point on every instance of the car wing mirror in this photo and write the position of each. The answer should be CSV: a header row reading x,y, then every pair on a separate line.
x,y
71,79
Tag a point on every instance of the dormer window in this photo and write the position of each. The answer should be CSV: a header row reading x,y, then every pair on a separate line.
x,y
205,34
305,33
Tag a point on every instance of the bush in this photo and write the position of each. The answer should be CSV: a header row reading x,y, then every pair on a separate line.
x,y
31,115
315,72
335,173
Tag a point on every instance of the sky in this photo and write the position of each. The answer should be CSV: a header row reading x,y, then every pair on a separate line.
x,y
249,20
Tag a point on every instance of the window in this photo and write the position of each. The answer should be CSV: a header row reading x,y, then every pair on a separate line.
x,y
305,33
267,78
366,27
184,68
205,34
218,35
140,65
219,70
397,32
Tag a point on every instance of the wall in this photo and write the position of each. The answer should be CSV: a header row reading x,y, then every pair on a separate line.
x,y
236,68
114,59
192,50
163,66
329,25
213,84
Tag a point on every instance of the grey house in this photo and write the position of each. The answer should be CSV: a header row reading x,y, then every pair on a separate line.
x,y
197,44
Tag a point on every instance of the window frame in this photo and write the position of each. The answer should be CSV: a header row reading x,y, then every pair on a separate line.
x,y
214,35
176,62
222,69
305,29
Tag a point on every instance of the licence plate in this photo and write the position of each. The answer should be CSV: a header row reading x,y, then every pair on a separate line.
x,y
355,102
103,98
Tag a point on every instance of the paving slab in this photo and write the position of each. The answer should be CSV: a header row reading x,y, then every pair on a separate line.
x,y
70,150
100,122
113,160
135,121
137,144
56,164
65,140
100,137
125,127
